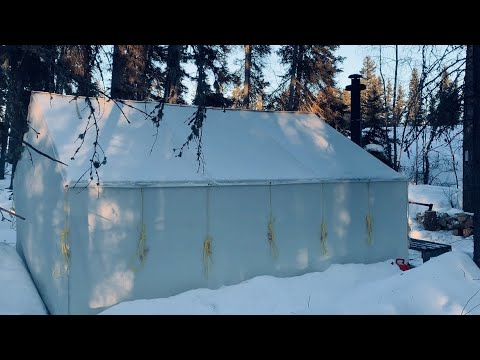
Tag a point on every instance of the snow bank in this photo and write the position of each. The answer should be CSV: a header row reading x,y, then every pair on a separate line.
x,y
18,294
443,285
374,148
443,198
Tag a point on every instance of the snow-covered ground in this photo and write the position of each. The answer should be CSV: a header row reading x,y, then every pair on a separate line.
x,y
447,284
18,294
442,285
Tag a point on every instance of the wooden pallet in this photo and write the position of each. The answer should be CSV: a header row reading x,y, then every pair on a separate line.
x,y
428,249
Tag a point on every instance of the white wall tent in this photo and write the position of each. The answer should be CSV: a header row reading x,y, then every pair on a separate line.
x,y
281,194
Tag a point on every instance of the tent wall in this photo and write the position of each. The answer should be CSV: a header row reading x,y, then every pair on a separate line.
x,y
106,268
42,200
106,226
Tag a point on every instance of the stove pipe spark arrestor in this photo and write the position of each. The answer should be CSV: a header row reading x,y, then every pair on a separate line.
x,y
355,120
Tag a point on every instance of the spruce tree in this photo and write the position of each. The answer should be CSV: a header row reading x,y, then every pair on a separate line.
x,y
129,72
74,70
28,68
414,99
444,112
373,115
249,91
373,106
449,106
174,74
211,60
333,110
310,69
368,74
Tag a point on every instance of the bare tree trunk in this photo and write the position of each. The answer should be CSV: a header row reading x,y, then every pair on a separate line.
x,y
387,138
200,93
298,87
118,64
246,82
416,154
172,80
452,155
3,149
425,162
394,111
83,72
426,172
476,154
472,142
75,66
291,89
468,137
129,72
50,75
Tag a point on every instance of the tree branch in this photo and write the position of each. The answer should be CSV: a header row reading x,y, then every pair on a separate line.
x,y
11,213
42,153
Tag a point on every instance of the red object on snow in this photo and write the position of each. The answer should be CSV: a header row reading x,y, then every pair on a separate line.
x,y
401,264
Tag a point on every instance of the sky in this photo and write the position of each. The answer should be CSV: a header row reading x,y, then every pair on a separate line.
x,y
352,64
353,54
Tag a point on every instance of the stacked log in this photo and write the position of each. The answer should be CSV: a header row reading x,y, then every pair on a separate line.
x,y
460,224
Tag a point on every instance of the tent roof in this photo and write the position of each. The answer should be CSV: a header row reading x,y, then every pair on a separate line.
x,y
239,146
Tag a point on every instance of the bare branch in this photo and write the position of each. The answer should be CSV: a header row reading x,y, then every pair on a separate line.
x,y
42,153
10,213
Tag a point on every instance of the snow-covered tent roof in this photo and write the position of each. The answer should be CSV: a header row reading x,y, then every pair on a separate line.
x,y
239,146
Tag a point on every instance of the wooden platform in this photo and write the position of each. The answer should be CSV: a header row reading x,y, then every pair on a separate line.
x,y
428,249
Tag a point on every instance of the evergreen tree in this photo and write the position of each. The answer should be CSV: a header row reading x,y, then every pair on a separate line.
x,y
449,107
155,73
368,75
346,100
174,74
374,114
372,105
211,59
444,111
310,69
74,70
333,110
414,99
130,67
28,68
251,94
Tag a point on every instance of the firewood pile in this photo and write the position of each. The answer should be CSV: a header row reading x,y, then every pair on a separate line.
x,y
460,224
